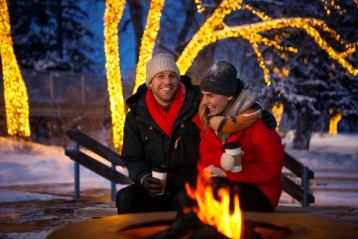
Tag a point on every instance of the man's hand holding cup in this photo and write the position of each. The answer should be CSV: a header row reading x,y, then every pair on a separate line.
x,y
155,183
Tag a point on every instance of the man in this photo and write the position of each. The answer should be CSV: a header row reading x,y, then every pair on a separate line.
x,y
159,133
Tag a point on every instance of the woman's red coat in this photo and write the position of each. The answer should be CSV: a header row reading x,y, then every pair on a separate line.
x,y
262,161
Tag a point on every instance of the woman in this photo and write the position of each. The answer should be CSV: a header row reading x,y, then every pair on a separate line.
x,y
230,117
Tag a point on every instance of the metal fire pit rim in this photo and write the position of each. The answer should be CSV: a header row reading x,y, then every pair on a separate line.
x,y
302,226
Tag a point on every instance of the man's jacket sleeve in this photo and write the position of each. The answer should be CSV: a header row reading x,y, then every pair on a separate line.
x,y
133,150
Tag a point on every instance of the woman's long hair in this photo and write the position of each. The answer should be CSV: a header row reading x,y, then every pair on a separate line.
x,y
203,110
203,115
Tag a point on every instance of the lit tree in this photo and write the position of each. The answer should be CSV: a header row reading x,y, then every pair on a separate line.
x,y
148,40
16,100
309,85
112,16
215,28
257,34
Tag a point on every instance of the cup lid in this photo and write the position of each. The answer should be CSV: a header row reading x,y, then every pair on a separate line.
x,y
232,145
159,169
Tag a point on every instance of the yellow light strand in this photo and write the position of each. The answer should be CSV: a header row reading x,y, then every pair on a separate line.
x,y
284,72
112,16
277,111
262,15
199,6
204,36
260,39
262,63
330,51
208,35
332,3
333,123
15,93
148,40
350,49
306,24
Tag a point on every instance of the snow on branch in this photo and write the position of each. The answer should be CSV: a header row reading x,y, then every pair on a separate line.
x,y
214,29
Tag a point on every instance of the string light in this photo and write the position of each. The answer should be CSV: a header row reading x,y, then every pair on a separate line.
x,y
282,73
199,6
333,122
350,49
15,93
262,63
333,4
263,16
148,40
214,29
209,34
277,111
112,16
204,36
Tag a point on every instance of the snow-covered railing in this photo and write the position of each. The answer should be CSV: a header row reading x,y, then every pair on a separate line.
x,y
299,191
110,173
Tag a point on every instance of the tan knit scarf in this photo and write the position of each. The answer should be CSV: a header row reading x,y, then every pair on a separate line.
x,y
238,116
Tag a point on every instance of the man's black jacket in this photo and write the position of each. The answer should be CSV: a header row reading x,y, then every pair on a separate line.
x,y
146,146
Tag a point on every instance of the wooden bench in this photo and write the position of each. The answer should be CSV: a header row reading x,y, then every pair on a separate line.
x,y
298,191
110,173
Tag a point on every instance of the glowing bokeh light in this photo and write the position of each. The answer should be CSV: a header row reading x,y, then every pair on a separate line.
x,y
199,6
112,16
15,93
277,111
333,122
214,29
148,40
329,4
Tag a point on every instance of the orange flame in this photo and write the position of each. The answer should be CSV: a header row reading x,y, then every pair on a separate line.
x,y
214,212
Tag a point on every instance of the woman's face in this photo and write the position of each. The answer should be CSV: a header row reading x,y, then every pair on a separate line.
x,y
215,103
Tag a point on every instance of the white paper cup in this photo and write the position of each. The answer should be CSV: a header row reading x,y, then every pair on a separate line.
x,y
161,176
236,169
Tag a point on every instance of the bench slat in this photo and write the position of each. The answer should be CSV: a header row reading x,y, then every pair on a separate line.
x,y
95,146
97,167
295,166
294,190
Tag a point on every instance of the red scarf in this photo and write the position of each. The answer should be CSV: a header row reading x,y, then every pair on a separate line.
x,y
165,119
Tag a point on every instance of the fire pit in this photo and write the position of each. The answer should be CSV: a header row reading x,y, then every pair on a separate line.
x,y
255,225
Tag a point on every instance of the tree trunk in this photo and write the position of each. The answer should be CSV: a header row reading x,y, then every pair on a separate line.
x,y
190,12
59,29
136,11
304,131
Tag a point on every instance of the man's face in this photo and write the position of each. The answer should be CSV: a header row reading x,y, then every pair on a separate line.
x,y
215,103
164,86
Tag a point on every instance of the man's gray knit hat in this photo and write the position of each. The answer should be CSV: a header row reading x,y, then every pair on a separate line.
x,y
221,79
158,63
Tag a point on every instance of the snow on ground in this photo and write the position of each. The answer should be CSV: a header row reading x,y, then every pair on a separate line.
x,y
334,160
28,163
12,196
31,163
24,163
327,151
